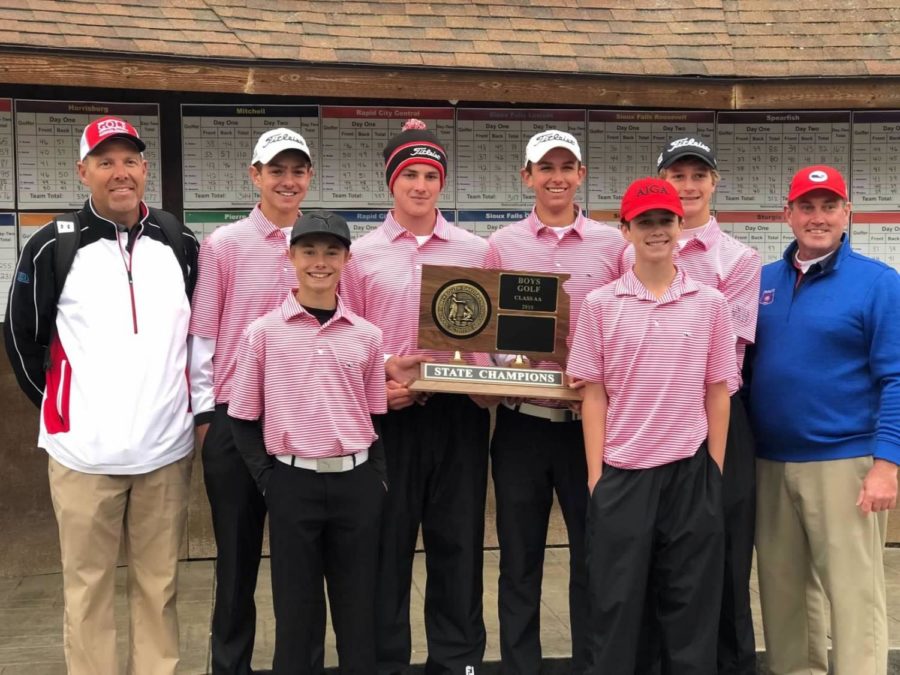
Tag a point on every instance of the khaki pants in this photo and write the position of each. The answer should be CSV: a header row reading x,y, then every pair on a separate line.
x,y
91,510
808,525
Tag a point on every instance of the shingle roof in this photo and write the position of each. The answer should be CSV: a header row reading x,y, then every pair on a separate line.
x,y
722,38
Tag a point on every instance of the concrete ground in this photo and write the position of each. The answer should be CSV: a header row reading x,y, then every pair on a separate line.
x,y
31,615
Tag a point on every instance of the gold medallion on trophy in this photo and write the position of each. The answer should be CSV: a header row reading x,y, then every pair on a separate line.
x,y
461,308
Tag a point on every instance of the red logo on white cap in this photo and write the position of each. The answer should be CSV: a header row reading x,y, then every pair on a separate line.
x,y
112,126
101,129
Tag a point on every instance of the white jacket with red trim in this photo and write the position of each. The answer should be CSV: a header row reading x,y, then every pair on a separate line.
x,y
115,398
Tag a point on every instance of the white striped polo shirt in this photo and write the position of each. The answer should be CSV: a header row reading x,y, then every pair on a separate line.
x,y
590,252
718,260
655,358
243,272
314,386
383,279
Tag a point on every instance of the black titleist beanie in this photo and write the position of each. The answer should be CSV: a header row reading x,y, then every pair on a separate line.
x,y
414,145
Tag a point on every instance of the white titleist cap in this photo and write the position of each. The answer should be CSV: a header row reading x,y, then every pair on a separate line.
x,y
278,140
542,143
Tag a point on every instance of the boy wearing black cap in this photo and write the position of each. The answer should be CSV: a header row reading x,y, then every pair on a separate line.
x,y
308,450
436,447
714,258
244,272
656,350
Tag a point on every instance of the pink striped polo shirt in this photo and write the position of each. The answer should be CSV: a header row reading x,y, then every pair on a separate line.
x,y
655,358
591,252
243,272
314,386
718,260
383,279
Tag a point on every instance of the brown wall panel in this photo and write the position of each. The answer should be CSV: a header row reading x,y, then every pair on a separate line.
x,y
27,525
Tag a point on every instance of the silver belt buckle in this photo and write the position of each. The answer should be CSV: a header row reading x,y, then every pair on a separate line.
x,y
329,465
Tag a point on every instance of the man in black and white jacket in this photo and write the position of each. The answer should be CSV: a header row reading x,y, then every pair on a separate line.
x,y
105,359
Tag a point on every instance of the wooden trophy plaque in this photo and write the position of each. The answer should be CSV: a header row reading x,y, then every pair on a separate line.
x,y
463,309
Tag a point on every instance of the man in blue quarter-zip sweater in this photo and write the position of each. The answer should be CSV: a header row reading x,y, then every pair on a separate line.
x,y
825,405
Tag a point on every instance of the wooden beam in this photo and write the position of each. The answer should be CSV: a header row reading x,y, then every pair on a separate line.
x,y
118,73
418,84
492,87
360,82
805,94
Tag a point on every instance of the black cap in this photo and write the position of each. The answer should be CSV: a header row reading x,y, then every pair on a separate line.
x,y
685,147
321,222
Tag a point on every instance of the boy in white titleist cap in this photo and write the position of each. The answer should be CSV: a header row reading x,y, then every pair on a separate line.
x,y
245,271
656,349
538,447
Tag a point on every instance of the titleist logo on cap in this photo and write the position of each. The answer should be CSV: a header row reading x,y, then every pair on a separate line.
x,y
553,136
420,151
112,126
684,142
275,138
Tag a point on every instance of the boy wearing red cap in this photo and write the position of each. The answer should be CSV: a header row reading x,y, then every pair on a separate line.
x,y
436,446
825,407
712,257
656,349
104,357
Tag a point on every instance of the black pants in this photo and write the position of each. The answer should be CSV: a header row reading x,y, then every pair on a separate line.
x,y
656,532
238,515
437,470
324,526
736,645
530,458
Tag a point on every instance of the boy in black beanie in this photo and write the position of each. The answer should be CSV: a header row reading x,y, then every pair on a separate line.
x,y
436,446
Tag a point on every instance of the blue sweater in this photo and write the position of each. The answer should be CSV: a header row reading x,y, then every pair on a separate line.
x,y
825,378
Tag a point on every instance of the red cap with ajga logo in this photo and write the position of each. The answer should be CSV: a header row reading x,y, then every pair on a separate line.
x,y
103,129
646,194
819,177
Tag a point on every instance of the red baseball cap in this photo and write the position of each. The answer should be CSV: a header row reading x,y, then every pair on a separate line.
x,y
103,129
818,177
646,194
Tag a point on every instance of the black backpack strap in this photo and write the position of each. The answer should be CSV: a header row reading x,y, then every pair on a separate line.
x,y
68,237
173,231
